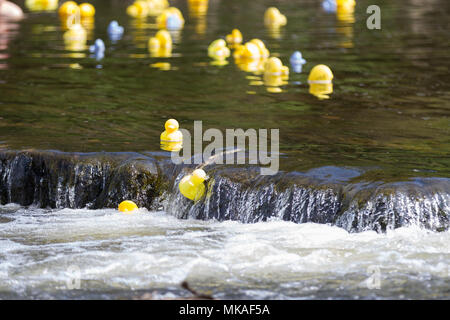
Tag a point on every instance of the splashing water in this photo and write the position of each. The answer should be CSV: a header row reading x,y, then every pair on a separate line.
x,y
122,256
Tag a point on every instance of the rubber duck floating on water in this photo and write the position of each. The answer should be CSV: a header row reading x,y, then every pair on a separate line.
x,y
234,38
345,10
144,8
115,31
170,19
254,49
98,49
191,186
127,206
171,138
160,45
198,7
297,61
274,18
69,8
329,6
41,5
219,51
275,74
320,81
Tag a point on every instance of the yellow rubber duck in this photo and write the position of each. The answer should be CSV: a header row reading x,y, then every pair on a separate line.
x,y
162,39
160,46
198,7
218,50
275,67
345,10
171,138
234,38
75,38
139,9
87,10
41,5
68,8
155,7
254,49
192,186
320,81
274,18
275,74
127,206
171,19
263,51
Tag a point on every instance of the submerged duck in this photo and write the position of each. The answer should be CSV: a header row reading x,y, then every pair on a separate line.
x,y
192,186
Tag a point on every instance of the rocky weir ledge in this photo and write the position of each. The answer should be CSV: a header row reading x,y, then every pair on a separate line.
x,y
330,195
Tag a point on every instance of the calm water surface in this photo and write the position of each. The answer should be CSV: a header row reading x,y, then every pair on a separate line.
x,y
390,107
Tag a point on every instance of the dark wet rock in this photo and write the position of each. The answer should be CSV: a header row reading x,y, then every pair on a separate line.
x,y
330,195
63,180
321,196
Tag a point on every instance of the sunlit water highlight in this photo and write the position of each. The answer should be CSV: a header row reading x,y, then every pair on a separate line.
x,y
125,256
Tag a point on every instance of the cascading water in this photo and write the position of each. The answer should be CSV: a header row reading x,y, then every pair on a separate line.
x,y
326,195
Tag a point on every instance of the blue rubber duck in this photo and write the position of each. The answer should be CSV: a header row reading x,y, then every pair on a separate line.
x,y
98,49
115,31
329,6
297,61
173,22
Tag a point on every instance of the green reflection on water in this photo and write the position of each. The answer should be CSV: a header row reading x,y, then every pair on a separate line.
x,y
389,108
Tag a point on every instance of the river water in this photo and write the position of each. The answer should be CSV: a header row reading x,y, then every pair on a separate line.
x,y
46,254
389,112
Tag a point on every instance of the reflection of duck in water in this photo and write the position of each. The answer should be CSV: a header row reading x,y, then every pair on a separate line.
x,y
75,38
10,10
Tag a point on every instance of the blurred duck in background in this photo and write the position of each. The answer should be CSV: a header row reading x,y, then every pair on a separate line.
x,y
10,10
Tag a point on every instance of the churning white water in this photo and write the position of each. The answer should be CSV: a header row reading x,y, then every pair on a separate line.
x,y
106,254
